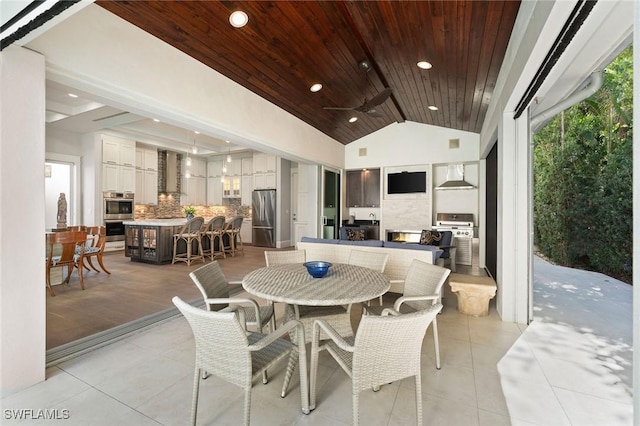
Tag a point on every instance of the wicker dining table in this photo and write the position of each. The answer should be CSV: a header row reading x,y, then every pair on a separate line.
x,y
291,283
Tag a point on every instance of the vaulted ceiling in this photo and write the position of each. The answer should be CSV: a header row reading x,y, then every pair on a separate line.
x,y
287,46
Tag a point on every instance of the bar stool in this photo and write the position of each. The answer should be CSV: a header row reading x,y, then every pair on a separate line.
x,y
232,231
189,233
214,232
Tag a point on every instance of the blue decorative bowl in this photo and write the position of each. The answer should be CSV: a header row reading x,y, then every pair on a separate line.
x,y
317,268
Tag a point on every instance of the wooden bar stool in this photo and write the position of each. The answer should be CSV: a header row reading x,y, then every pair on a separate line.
x,y
214,233
232,231
189,233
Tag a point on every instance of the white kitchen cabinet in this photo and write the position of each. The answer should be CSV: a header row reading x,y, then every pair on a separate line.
x,y
214,168
247,166
235,167
231,187
246,232
118,164
214,191
146,187
146,176
246,188
264,171
194,191
110,177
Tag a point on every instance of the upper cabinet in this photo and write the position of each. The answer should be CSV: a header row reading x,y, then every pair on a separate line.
x,y
118,164
363,188
264,171
146,176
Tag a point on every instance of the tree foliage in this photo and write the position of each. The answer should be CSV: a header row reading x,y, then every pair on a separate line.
x,y
583,179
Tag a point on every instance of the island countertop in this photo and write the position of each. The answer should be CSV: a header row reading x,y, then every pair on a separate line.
x,y
155,222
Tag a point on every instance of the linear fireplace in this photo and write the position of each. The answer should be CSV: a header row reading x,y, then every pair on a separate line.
x,y
403,236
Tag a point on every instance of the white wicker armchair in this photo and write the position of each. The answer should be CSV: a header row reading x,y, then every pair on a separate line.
x,y
385,349
375,261
283,257
226,350
422,288
214,287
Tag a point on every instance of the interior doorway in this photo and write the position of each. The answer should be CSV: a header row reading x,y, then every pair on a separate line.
x,y
330,204
61,176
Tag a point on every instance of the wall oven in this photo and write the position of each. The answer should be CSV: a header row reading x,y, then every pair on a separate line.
x,y
117,207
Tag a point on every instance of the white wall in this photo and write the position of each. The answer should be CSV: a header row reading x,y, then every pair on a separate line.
x,y
22,231
414,146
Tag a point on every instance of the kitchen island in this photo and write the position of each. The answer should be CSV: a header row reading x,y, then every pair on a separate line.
x,y
151,240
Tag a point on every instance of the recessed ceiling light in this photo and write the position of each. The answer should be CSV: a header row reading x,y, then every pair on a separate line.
x,y
156,120
196,132
227,142
72,95
433,107
353,119
238,19
316,87
424,65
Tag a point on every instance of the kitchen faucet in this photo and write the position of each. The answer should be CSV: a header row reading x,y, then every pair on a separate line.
x,y
372,215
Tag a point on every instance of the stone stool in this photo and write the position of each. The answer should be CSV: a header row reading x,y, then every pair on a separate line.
x,y
473,293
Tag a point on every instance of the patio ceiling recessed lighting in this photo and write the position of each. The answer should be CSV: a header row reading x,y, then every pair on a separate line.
x,y
156,120
353,119
433,107
72,95
316,87
424,65
238,19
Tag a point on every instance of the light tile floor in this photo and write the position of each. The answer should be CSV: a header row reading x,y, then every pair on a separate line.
x,y
553,372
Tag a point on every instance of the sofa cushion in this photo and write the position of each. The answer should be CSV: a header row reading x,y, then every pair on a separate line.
x,y
342,234
368,243
319,240
430,237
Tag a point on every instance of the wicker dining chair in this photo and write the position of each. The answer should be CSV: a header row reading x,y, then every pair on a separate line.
x,y
226,350
214,287
385,349
283,257
422,288
372,260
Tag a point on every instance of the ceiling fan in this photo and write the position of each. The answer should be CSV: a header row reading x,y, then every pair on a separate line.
x,y
368,106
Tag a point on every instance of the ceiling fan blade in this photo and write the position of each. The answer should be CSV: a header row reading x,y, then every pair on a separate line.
x,y
338,108
376,100
374,113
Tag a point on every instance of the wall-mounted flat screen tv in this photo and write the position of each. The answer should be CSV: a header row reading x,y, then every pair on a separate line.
x,y
406,182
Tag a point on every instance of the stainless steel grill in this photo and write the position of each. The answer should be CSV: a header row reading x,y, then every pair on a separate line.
x,y
461,226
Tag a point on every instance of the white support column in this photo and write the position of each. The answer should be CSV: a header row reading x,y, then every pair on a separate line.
x,y
22,233
514,272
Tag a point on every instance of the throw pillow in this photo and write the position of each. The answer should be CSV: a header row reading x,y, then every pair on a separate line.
x,y
355,234
428,237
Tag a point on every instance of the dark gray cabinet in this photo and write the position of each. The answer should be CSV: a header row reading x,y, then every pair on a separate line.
x,y
149,244
363,188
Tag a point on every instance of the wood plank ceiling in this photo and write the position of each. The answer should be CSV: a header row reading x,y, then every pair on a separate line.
x,y
289,45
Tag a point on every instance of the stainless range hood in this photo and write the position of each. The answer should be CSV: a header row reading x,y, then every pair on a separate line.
x,y
455,178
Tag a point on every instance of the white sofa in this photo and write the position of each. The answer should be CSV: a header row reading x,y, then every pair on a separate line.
x,y
397,264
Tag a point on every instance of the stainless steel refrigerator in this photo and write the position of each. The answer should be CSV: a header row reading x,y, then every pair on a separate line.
x,y
263,218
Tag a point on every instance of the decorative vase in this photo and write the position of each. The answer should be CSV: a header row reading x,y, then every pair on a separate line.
x,y
189,216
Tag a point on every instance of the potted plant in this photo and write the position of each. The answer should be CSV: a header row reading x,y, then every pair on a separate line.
x,y
190,211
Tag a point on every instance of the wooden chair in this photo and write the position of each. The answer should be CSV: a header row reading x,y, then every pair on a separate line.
x,y
189,233
65,249
97,237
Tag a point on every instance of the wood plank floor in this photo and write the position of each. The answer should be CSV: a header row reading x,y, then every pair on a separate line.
x,y
133,290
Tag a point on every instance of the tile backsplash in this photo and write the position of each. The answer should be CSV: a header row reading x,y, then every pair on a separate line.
x,y
169,207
